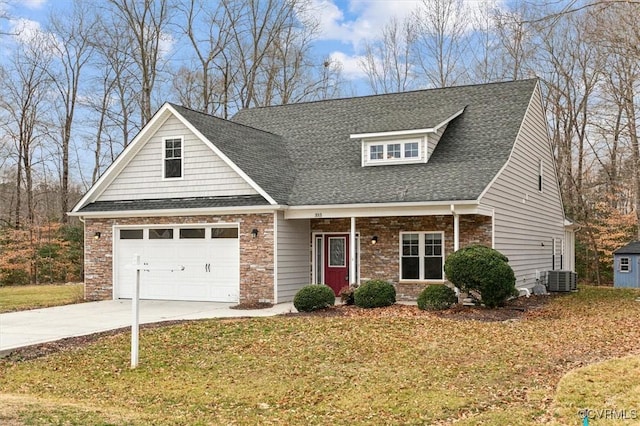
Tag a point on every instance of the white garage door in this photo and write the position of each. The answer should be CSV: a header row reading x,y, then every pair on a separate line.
x,y
210,256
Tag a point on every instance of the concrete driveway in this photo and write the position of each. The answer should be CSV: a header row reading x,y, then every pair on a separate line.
x,y
25,328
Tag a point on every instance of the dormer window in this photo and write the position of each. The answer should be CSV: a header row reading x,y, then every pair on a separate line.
x,y
394,151
172,162
409,146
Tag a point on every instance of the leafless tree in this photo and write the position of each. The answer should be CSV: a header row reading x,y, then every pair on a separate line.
x,y
146,21
621,40
208,32
72,48
442,43
387,62
25,90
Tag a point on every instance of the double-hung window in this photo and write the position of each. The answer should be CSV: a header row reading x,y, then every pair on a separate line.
x,y
172,158
422,255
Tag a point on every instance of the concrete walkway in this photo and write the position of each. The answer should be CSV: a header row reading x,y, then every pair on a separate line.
x,y
25,328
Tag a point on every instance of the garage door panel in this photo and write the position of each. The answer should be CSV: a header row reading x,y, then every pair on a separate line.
x,y
211,266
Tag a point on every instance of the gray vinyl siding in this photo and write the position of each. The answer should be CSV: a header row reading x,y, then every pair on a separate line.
x,y
293,256
204,173
433,139
527,220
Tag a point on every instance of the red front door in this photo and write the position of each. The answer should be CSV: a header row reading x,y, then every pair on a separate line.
x,y
336,261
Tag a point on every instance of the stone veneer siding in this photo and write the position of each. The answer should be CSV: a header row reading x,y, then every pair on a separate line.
x,y
382,260
256,254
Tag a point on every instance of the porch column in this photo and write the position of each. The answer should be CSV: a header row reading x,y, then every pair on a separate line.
x,y
352,253
456,229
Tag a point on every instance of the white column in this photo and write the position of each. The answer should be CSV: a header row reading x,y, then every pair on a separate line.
x,y
456,229
353,279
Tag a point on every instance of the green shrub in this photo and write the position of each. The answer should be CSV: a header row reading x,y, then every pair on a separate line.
x,y
13,277
437,298
375,294
347,294
483,270
314,296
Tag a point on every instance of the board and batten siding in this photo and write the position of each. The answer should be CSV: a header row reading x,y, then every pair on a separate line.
x,y
527,221
204,173
293,256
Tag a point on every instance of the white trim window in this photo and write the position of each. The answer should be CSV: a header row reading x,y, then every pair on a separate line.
x,y
172,158
625,264
392,151
422,256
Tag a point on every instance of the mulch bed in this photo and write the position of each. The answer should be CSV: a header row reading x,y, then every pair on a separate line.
x,y
254,305
513,310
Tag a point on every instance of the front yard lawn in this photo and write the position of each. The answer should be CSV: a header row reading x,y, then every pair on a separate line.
x,y
412,367
20,298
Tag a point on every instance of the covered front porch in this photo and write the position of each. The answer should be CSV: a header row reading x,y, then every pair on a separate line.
x,y
407,247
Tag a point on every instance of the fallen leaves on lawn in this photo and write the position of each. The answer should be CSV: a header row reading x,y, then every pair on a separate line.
x,y
346,365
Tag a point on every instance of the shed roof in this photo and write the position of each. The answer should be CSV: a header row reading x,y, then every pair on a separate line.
x,y
631,248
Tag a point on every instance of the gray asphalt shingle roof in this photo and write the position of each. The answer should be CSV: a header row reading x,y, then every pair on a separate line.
x,y
327,163
631,248
260,154
302,154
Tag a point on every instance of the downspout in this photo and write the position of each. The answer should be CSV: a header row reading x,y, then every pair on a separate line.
x,y
352,253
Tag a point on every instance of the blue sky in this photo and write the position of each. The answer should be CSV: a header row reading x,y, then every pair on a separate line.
x,y
344,24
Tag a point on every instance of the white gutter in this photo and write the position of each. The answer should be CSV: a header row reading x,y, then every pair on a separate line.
x,y
179,212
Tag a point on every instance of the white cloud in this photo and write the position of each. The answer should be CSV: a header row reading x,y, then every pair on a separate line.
x,y
360,20
25,30
352,22
32,4
351,68
29,32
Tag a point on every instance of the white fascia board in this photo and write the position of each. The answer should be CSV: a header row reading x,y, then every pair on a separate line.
x,y
391,134
179,212
383,210
448,120
226,159
125,156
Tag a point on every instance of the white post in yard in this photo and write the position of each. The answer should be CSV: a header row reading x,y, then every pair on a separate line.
x,y
135,307
135,303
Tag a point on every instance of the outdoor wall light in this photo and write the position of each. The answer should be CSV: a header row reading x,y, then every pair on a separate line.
x,y
254,233
542,244
97,235
374,239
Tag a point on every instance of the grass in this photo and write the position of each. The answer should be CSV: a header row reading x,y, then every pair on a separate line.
x,y
375,369
608,392
20,298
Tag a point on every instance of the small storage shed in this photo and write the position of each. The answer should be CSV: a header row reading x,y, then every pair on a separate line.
x,y
626,266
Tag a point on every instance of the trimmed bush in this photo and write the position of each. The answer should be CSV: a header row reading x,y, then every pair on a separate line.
x,y
483,270
375,294
314,296
437,298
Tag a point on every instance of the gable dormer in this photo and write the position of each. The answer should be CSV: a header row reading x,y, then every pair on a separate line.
x,y
401,146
